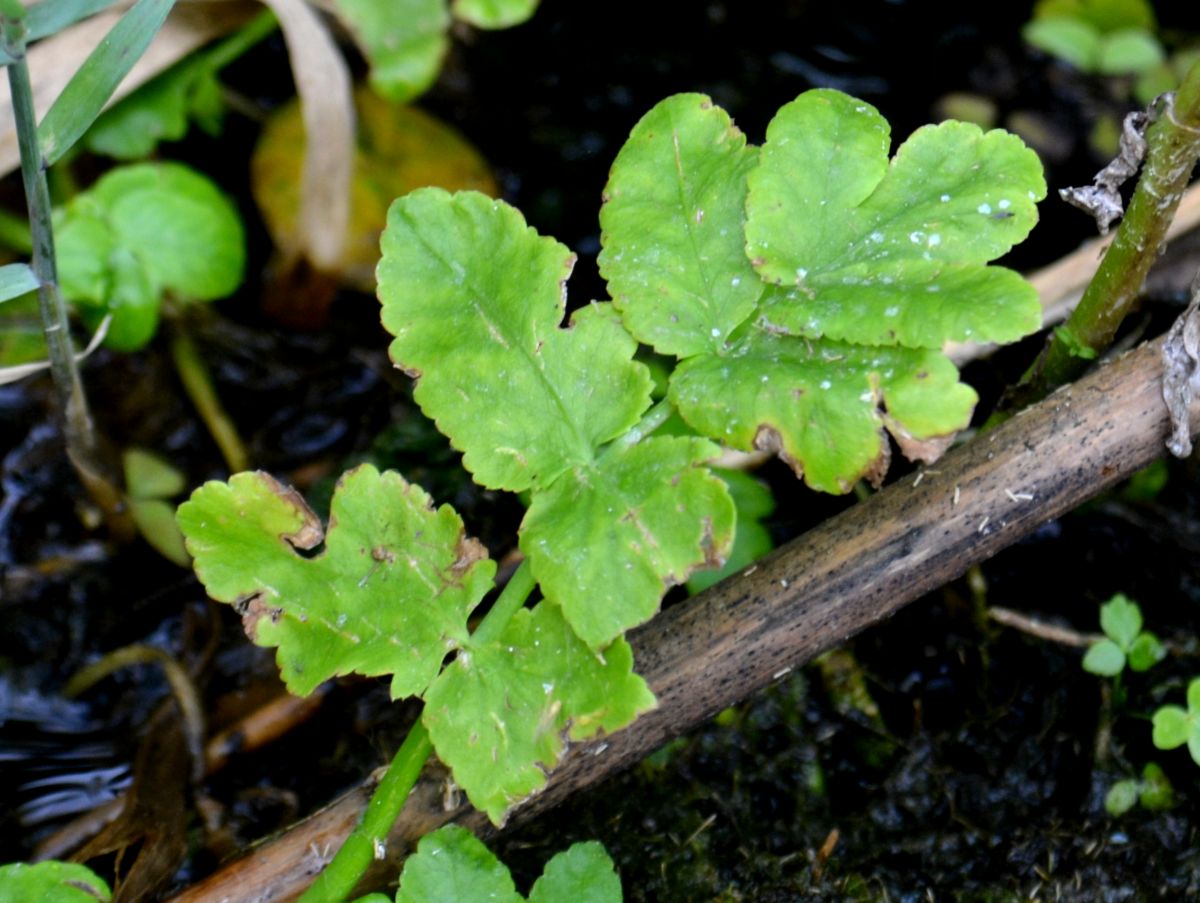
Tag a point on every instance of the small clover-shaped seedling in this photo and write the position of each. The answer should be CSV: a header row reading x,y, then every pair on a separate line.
x,y
405,41
475,300
1174,726
51,882
1097,36
808,286
452,866
1153,790
1125,642
141,233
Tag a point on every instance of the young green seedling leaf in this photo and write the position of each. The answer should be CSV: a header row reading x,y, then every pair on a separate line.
x,y
1125,641
501,711
494,13
1174,726
475,300
142,231
891,254
51,882
403,40
389,593
452,866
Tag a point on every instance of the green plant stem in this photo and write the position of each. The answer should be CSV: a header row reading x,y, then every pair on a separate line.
x,y
651,420
80,438
368,839
257,29
1173,147
197,382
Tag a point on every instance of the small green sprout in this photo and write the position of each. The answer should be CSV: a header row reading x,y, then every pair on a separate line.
x,y
1104,37
1125,642
452,866
1153,790
1174,726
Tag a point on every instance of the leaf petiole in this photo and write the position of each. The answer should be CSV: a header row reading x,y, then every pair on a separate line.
x,y
651,420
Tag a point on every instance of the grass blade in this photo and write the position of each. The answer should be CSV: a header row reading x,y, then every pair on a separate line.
x,y
91,87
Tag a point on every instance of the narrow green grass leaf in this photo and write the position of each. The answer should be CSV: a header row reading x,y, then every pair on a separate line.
x,y
95,81
500,713
671,228
389,591
16,279
52,16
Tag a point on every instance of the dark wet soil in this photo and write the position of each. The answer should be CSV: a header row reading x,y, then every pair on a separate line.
x,y
937,756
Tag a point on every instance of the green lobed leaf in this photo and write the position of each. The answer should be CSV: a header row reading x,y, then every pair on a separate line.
x,y
752,501
584,873
403,40
1121,620
1106,15
1121,797
890,254
499,714
1145,652
1067,38
51,882
389,592
671,228
1171,727
606,541
452,865
1193,697
823,406
1130,51
1105,659
494,13
474,298
95,81
1155,791
141,231
185,230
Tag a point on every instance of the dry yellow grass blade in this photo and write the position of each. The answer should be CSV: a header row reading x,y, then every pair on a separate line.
x,y
323,83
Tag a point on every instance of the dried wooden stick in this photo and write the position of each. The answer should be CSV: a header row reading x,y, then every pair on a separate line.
x,y
806,597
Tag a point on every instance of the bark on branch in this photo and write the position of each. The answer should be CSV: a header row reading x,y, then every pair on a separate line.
x,y
808,596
